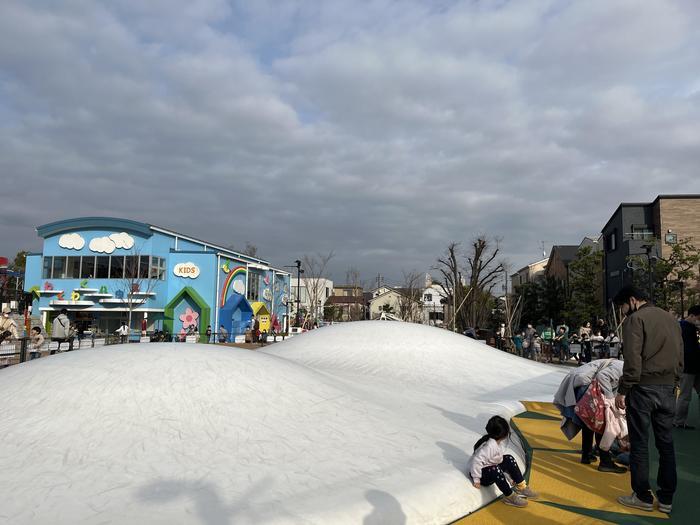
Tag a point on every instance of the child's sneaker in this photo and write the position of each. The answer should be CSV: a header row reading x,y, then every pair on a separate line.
x,y
527,492
515,500
666,509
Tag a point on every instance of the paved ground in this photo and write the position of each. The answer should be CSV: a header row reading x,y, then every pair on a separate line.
x,y
572,493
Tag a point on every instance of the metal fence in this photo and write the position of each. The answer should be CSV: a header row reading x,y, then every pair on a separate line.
x,y
21,349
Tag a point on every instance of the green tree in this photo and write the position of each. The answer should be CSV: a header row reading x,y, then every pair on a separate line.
x,y
387,308
673,277
585,297
530,299
552,300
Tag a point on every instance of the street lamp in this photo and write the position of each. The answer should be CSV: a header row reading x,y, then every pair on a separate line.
x,y
297,265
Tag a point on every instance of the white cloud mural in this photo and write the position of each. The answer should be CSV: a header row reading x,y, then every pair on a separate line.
x,y
122,240
239,287
71,241
102,245
108,244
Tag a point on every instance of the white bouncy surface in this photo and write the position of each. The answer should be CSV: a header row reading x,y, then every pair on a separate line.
x,y
370,422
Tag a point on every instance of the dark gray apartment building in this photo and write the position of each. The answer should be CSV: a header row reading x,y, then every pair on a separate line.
x,y
648,229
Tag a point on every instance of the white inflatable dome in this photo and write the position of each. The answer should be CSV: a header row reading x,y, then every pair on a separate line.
x,y
363,422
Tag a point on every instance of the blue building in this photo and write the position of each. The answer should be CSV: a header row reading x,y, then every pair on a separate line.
x,y
105,270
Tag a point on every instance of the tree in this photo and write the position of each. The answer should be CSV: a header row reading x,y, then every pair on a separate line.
x,y
315,272
585,300
471,299
674,278
409,297
387,308
138,281
356,310
483,273
12,280
552,300
530,298
250,249
452,286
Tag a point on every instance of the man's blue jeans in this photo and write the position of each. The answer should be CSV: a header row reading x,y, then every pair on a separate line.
x,y
652,405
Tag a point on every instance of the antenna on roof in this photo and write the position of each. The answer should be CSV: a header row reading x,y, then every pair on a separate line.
x,y
544,253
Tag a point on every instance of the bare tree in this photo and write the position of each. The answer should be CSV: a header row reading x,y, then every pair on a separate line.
x,y
483,272
410,296
315,272
452,286
250,249
356,308
138,281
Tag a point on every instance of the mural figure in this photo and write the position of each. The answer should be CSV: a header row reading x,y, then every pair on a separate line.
x,y
189,318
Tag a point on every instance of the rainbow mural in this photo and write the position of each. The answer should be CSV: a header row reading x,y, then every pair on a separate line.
x,y
233,272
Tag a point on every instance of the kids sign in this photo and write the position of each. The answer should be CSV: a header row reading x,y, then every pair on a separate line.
x,y
186,269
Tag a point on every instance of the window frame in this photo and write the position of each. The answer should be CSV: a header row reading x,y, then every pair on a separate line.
x,y
82,267
44,273
113,258
62,275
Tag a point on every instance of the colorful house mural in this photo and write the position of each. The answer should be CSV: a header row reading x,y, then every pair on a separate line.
x,y
187,309
236,315
262,314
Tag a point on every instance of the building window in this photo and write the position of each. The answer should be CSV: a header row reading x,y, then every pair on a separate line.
x,y
328,292
642,232
73,268
102,267
116,267
611,241
144,265
59,268
253,286
131,267
428,298
46,273
88,271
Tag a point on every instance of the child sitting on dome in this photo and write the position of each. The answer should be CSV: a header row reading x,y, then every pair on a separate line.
x,y
489,464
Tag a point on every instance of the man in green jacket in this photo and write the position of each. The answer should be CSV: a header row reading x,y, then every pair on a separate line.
x,y
653,350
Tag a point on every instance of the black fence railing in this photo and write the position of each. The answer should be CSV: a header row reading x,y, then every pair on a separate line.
x,y
23,349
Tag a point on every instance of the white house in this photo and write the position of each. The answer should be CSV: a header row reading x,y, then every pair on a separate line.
x,y
312,295
433,309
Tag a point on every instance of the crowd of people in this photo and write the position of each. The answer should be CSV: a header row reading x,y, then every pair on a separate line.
x,y
561,343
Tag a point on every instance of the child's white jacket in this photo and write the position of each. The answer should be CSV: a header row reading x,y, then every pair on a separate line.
x,y
487,455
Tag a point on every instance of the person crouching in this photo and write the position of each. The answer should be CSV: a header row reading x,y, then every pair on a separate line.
x,y
489,464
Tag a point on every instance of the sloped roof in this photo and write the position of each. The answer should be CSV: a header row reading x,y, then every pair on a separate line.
x,y
567,253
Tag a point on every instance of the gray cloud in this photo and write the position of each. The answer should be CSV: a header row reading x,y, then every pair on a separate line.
x,y
380,131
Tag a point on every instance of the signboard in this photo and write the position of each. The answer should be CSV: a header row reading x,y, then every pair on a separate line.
x,y
64,347
239,339
187,269
53,346
191,339
145,340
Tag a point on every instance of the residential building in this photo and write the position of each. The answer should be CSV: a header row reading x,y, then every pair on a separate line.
x,y
346,302
558,263
395,301
432,303
530,273
312,294
647,229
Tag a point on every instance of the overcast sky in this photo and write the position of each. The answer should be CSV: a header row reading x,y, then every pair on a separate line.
x,y
381,130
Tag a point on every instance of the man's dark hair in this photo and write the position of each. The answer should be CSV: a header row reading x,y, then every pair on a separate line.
x,y
64,311
626,293
694,310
